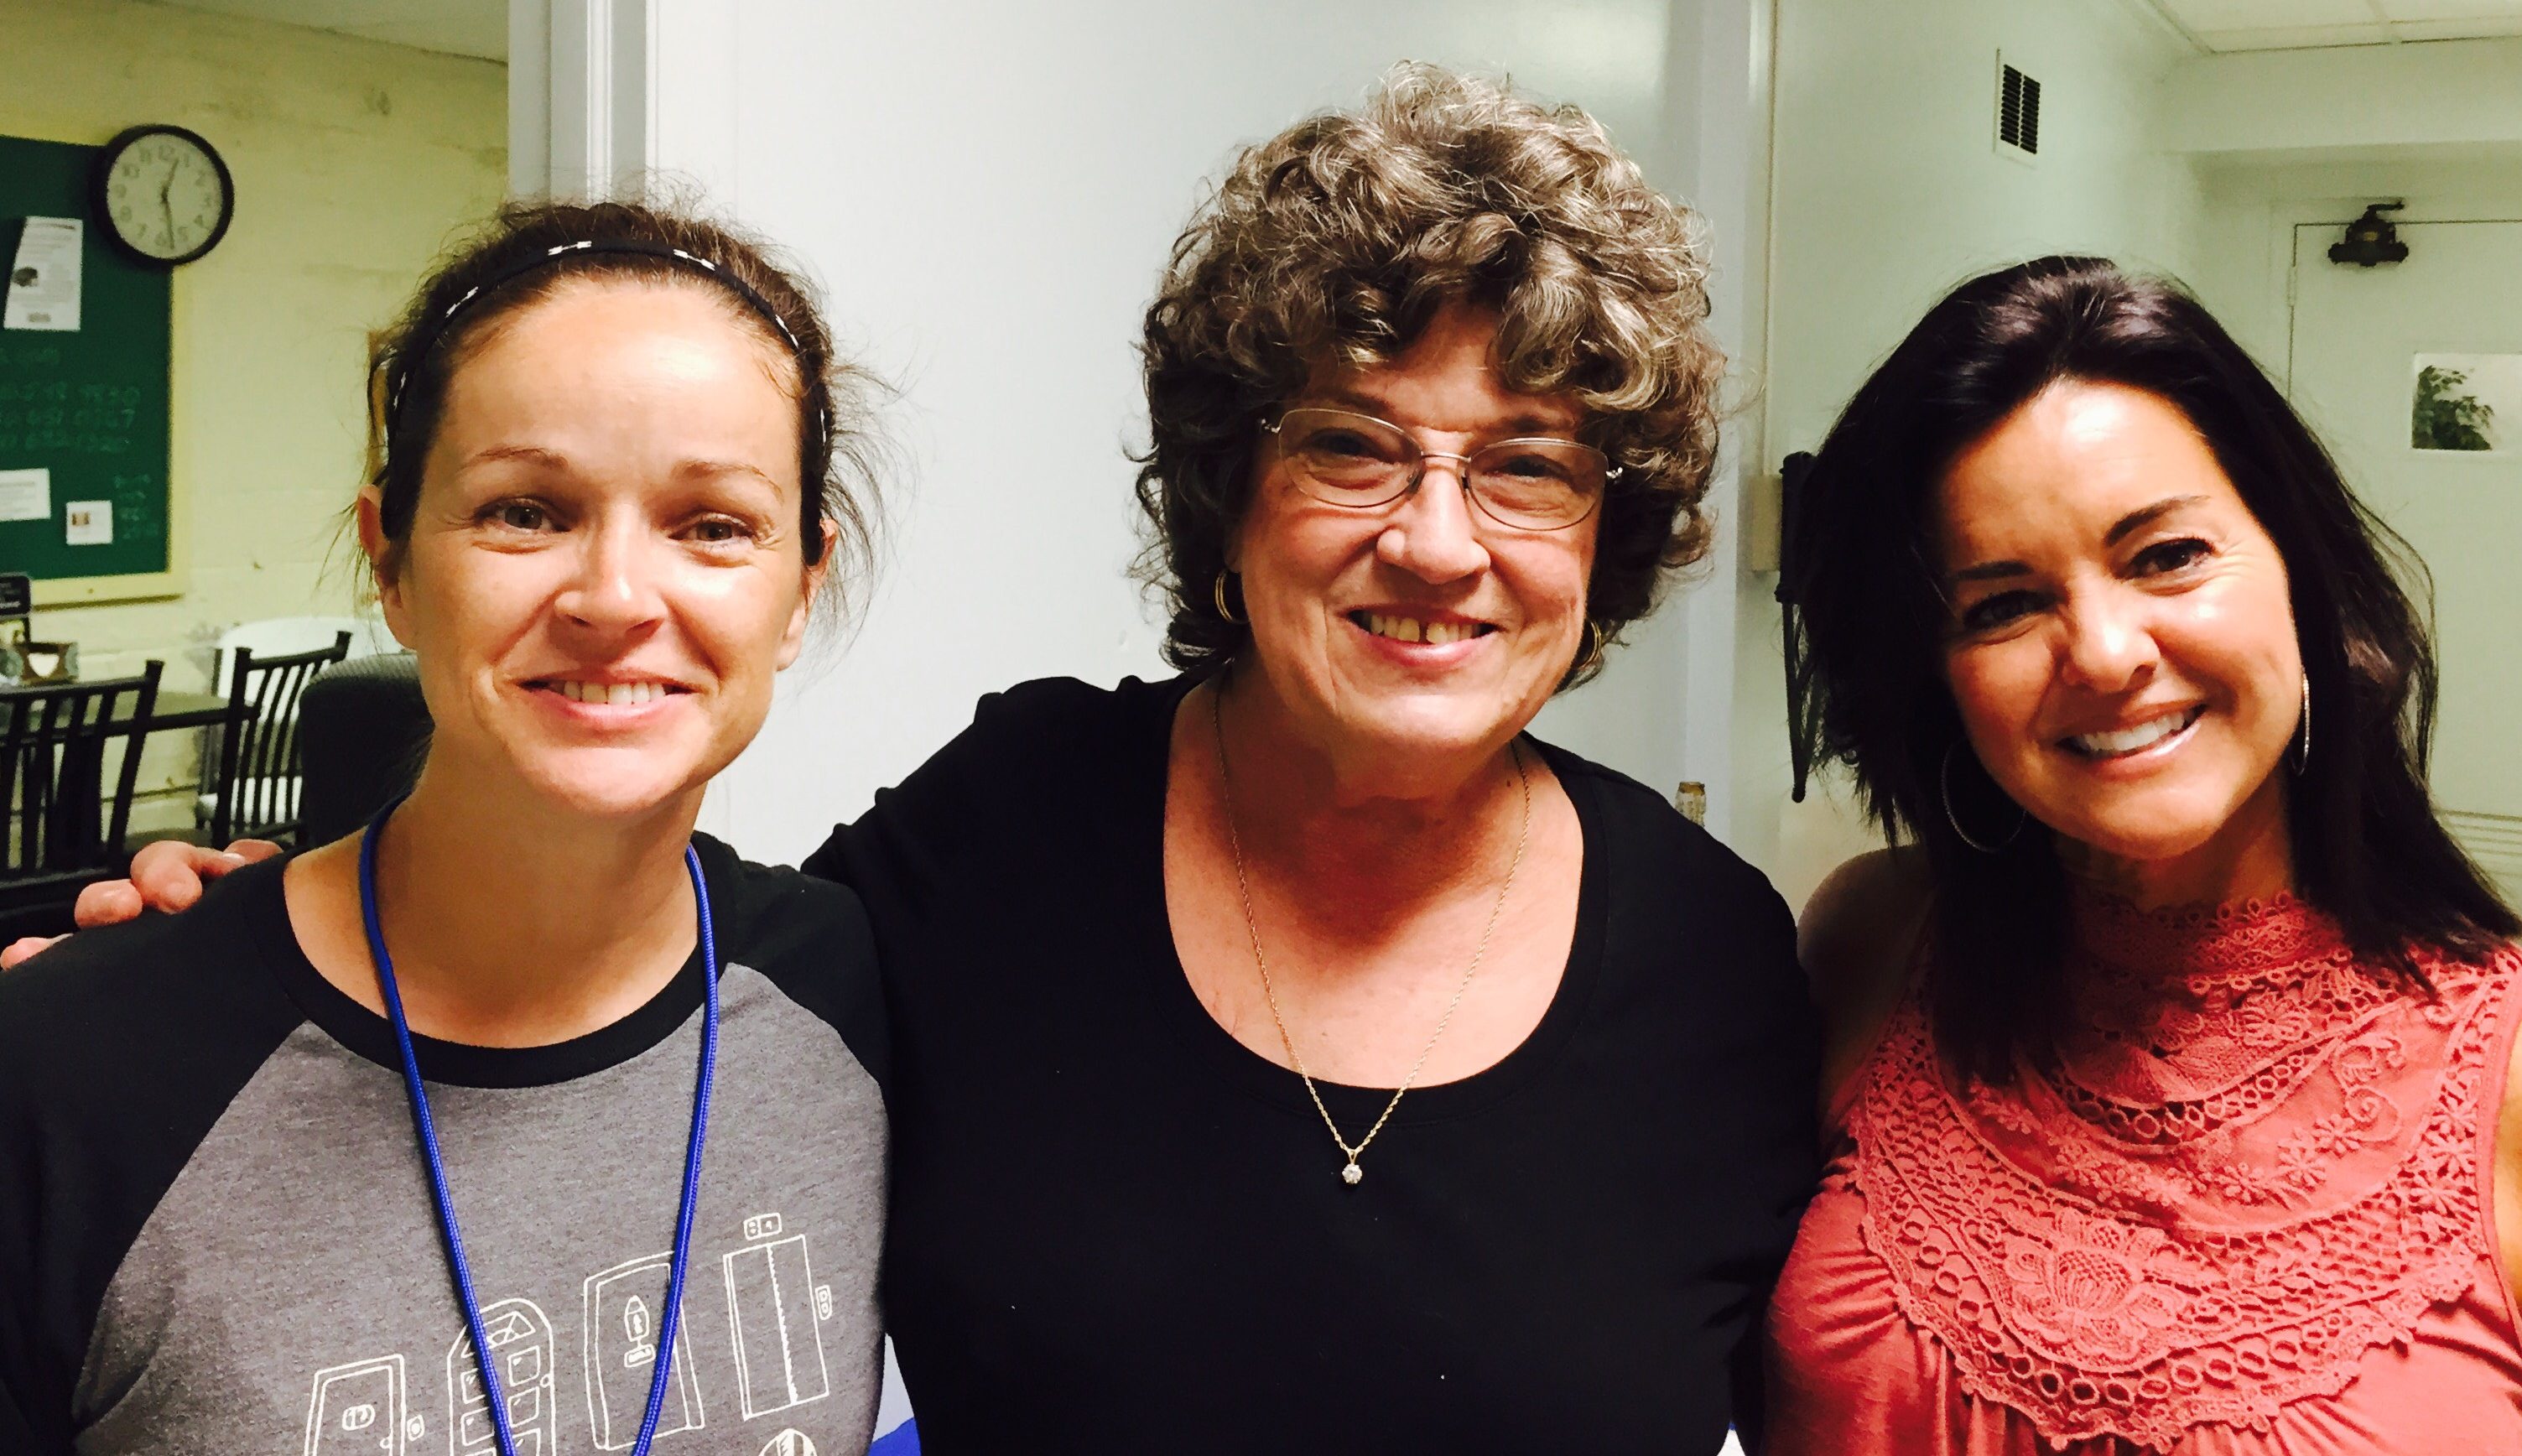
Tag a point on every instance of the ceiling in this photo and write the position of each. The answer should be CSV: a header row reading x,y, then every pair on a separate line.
x,y
480,28
2283,24
459,27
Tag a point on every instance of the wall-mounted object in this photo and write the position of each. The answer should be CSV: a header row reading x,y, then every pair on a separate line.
x,y
164,194
1789,594
2018,113
2371,239
2468,403
85,413
1763,518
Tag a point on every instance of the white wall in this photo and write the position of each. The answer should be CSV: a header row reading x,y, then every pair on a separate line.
x,y
2451,92
2253,208
989,191
1888,191
2298,137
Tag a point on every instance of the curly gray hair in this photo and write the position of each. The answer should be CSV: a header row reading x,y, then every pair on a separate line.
x,y
1333,245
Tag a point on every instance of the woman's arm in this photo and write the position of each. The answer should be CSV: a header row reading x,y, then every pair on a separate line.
x,y
1857,939
2508,1173
893,853
168,876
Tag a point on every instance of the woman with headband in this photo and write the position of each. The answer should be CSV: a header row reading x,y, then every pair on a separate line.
x,y
482,1130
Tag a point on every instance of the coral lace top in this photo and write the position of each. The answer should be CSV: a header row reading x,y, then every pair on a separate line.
x,y
2241,1212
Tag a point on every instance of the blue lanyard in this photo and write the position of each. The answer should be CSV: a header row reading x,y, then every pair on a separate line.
x,y
673,1318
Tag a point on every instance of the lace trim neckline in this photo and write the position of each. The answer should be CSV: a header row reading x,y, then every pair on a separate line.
x,y
2272,937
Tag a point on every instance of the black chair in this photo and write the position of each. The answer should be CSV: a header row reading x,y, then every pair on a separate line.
x,y
251,789
59,836
362,733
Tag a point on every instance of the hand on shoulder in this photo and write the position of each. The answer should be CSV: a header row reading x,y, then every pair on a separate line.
x,y
165,876
1856,938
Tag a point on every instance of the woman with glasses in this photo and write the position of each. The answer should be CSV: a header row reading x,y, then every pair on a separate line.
x,y
1293,1055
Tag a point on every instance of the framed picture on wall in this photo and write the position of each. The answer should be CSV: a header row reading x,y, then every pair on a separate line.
x,y
2467,402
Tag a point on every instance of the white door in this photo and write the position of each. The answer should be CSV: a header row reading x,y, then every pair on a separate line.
x,y
2359,337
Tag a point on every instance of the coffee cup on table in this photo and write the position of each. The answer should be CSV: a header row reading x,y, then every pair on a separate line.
x,y
47,662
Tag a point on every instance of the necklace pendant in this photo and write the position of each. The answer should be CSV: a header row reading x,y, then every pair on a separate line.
x,y
1352,1173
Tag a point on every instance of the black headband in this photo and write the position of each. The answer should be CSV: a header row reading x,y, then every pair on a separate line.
x,y
433,332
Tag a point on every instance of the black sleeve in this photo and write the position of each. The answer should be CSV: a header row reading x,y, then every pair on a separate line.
x,y
1754,1048
1778,1058
913,849
120,1050
811,939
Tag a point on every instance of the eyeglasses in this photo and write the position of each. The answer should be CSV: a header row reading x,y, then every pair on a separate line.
x,y
1340,457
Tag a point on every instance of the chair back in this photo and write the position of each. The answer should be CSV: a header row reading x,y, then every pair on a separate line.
x,y
277,637
363,735
256,790
52,778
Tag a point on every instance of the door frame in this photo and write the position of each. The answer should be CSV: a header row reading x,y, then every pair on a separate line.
x,y
2288,218
2493,840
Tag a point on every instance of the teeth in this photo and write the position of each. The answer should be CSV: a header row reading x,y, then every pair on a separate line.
x,y
2130,740
1412,629
611,694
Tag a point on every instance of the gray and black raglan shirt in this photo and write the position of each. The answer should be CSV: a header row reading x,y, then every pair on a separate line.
x,y
217,1233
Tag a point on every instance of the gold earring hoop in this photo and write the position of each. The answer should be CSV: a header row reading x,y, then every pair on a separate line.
x,y
1217,591
1596,641
2303,739
1955,820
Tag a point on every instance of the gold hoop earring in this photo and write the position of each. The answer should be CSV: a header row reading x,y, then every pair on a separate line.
x,y
1955,820
1217,592
1597,641
2303,739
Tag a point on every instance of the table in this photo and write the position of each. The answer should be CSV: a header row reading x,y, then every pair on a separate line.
x,y
188,710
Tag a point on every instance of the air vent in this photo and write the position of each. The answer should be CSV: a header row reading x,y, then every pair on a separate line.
x,y
2017,111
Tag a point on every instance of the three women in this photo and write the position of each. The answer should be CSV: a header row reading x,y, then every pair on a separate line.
x,y
1292,1053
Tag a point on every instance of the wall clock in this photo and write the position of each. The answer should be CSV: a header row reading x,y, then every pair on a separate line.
x,y
164,194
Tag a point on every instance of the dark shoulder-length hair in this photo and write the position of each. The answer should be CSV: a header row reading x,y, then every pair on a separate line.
x,y
2368,850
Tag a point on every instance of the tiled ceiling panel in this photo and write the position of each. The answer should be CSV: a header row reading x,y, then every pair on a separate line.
x,y
2280,24
459,27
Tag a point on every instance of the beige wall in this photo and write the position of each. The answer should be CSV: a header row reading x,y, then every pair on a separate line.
x,y
353,160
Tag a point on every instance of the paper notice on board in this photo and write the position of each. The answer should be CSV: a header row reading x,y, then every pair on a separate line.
x,y
25,494
88,523
44,281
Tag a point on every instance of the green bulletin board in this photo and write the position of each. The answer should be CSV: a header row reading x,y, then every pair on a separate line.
x,y
90,406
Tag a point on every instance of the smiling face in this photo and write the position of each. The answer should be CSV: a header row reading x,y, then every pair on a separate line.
x,y
1422,627
2123,647
604,570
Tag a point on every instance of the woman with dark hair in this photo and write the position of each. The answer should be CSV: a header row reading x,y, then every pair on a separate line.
x,y
1293,1055
2166,1055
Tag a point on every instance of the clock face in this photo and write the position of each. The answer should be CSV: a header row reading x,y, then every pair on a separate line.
x,y
165,195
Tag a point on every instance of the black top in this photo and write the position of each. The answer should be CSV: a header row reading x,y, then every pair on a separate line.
x,y
216,1234
1116,1229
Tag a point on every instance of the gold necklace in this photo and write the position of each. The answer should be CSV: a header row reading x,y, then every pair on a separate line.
x,y
1352,1173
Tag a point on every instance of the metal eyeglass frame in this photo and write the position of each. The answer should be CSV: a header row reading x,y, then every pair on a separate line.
x,y
1462,463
